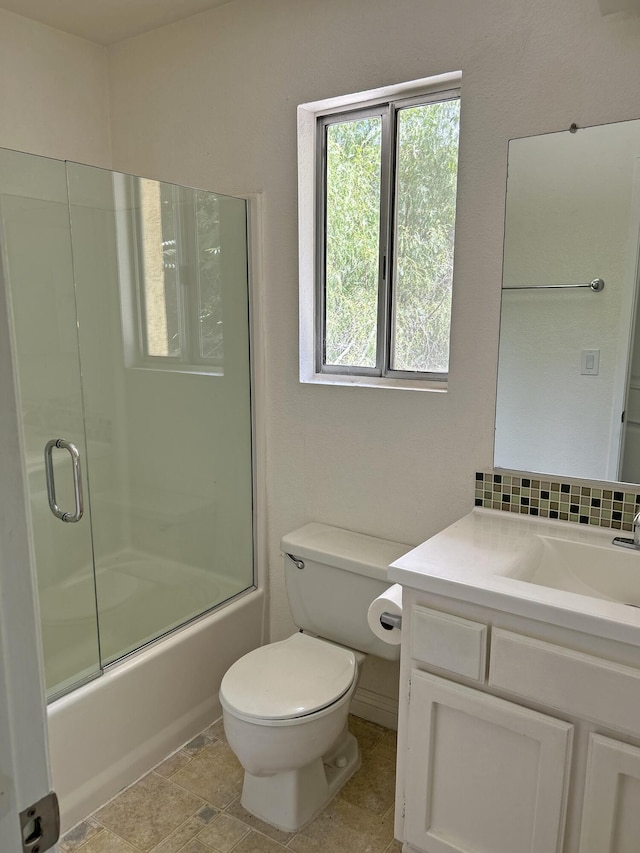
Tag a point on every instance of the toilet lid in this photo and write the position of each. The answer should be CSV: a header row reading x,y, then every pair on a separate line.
x,y
292,678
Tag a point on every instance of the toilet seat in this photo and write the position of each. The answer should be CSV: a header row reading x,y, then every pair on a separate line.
x,y
288,680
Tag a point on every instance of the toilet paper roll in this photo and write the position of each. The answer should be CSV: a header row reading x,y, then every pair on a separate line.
x,y
389,602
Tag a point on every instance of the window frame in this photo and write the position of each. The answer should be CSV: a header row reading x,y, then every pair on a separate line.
x,y
313,118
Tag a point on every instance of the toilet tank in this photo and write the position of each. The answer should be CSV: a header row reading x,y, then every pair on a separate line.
x,y
343,572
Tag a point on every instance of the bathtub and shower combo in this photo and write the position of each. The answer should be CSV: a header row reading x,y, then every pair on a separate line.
x,y
130,323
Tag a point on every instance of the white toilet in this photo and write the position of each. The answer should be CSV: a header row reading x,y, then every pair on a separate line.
x,y
285,705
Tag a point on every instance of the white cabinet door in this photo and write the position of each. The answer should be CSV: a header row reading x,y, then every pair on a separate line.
x,y
24,772
482,774
611,811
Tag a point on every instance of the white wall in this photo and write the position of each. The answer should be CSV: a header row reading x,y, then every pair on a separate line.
x,y
53,93
212,101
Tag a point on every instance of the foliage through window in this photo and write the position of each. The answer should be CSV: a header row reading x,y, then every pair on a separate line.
x,y
386,213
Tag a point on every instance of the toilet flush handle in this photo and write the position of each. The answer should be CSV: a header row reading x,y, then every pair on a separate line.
x,y
298,563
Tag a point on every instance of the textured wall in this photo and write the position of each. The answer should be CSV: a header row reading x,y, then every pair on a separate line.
x,y
53,93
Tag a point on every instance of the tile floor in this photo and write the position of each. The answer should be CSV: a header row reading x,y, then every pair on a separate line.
x,y
191,803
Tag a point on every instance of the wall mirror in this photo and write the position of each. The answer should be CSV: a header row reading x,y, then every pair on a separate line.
x,y
568,400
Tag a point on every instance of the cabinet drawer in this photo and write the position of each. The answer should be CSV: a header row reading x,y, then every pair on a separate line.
x,y
572,682
449,642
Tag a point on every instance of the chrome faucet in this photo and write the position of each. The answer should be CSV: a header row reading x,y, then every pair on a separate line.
x,y
629,542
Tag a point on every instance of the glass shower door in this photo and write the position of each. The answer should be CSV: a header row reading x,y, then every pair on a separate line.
x,y
37,264
162,300
130,321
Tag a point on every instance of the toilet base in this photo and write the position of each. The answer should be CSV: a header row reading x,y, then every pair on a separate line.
x,y
291,799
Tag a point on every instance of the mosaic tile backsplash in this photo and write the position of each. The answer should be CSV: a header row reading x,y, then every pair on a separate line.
x,y
592,503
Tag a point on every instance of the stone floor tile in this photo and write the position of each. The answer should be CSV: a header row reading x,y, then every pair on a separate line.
x,y
179,837
255,842
390,815
195,846
206,814
237,810
368,735
387,746
343,828
215,774
216,730
174,809
223,833
197,744
172,764
147,812
78,835
373,786
107,842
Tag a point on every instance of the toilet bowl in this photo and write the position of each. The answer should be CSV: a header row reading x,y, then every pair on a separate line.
x,y
285,709
285,705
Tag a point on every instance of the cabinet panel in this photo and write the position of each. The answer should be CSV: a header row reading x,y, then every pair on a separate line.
x,y
483,775
611,816
565,680
449,642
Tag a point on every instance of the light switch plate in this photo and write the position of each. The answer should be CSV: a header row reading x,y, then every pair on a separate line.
x,y
590,362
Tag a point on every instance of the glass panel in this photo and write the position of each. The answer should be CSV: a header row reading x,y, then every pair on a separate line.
x,y
352,241
158,249
425,207
209,267
170,448
35,236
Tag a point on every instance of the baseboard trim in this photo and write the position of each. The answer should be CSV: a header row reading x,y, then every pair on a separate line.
x,y
375,708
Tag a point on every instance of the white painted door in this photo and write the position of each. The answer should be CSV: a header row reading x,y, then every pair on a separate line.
x,y
483,774
24,771
611,811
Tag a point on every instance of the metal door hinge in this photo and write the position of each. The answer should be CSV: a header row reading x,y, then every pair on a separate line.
x,y
40,825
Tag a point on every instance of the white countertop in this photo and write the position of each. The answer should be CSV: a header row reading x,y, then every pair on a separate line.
x,y
478,559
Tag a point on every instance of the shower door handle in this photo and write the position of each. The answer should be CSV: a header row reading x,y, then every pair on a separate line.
x,y
77,480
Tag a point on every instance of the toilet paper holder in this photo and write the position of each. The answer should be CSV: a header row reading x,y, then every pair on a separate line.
x,y
389,621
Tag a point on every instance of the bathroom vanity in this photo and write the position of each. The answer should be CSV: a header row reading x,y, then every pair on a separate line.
x,y
519,725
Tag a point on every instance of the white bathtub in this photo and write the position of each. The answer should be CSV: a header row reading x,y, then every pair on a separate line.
x,y
109,732
140,596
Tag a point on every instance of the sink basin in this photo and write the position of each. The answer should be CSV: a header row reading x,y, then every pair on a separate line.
x,y
558,572
605,572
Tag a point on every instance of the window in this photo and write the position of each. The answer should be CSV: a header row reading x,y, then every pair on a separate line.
x,y
384,224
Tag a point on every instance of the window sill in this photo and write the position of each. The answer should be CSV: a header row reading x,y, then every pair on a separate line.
x,y
375,382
